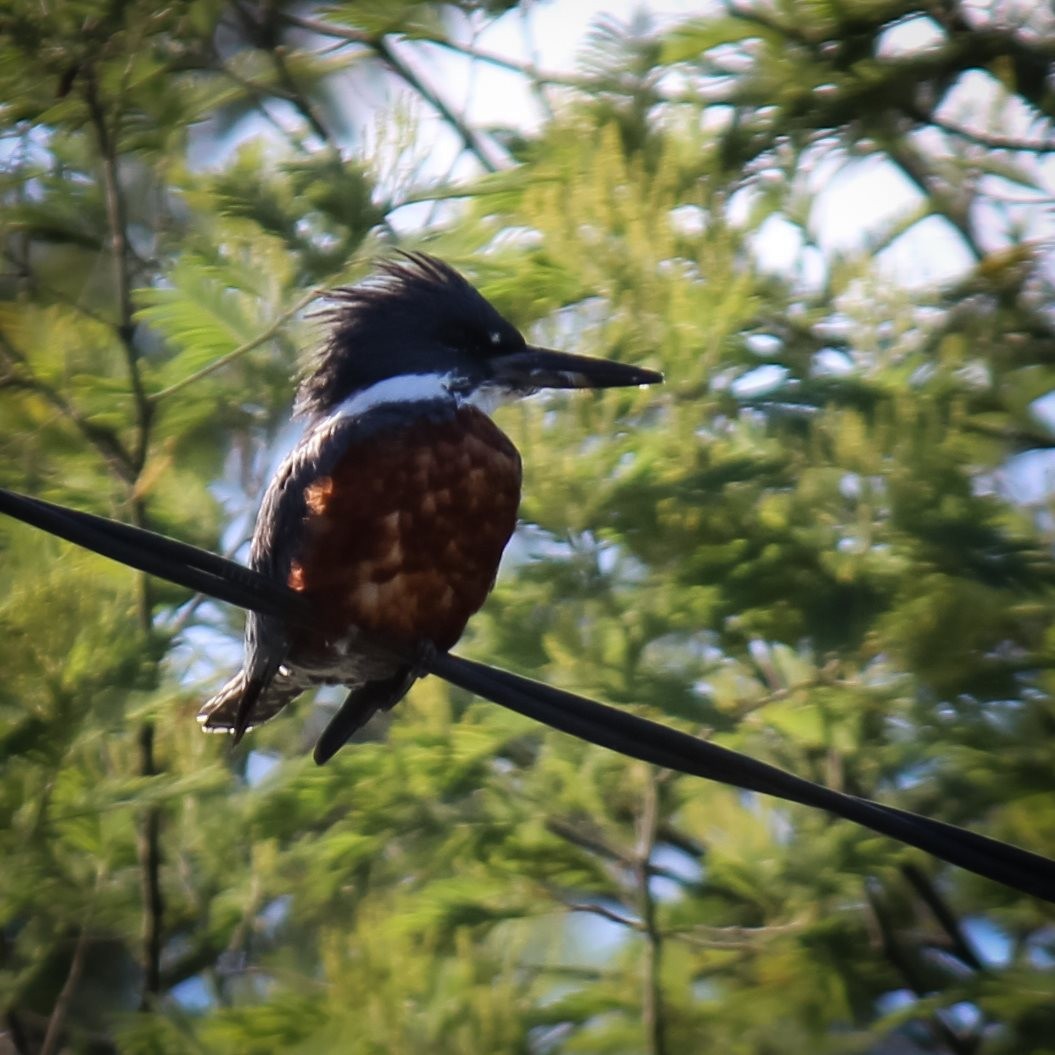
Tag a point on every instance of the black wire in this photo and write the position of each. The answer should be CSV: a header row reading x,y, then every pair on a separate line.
x,y
651,742
177,562
620,731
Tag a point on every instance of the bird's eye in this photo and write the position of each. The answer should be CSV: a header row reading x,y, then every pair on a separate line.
x,y
500,341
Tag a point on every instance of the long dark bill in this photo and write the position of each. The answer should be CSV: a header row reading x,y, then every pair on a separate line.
x,y
535,368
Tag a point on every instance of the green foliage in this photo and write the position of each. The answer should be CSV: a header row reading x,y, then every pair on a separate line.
x,y
828,563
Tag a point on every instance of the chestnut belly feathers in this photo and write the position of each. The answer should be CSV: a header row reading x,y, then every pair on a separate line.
x,y
403,536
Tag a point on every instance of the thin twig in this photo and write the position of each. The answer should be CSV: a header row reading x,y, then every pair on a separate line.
x,y
16,1034
909,972
187,612
357,36
913,165
538,88
105,442
468,135
383,50
242,349
587,841
991,141
528,70
327,29
733,938
56,294
261,95
606,913
259,25
302,103
57,1019
939,907
596,845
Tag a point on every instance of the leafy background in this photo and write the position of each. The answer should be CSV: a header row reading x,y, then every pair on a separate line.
x,y
826,541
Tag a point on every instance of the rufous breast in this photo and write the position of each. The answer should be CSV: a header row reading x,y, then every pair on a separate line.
x,y
404,536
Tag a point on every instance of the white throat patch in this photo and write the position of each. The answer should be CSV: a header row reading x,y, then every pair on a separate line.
x,y
407,388
417,388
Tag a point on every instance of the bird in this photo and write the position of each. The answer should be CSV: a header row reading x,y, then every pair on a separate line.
x,y
390,514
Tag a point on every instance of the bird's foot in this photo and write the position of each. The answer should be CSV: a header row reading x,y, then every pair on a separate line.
x,y
424,656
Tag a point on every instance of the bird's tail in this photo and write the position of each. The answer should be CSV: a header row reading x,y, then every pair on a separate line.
x,y
359,707
224,712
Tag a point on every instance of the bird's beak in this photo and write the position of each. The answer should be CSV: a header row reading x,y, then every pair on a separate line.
x,y
535,368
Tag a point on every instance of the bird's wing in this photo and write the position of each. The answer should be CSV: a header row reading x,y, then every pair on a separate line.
x,y
279,532
260,690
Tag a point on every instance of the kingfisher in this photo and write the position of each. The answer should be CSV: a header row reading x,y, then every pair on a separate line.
x,y
391,513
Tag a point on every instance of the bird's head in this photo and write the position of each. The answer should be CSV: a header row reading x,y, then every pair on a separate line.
x,y
417,329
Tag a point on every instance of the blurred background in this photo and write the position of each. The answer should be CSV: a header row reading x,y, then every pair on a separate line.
x,y
826,541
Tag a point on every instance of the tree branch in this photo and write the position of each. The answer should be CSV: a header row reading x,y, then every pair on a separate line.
x,y
115,212
901,153
910,975
302,102
16,1034
945,916
149,847
652,1002
57,1019
105,442
470,138
380,47
149,841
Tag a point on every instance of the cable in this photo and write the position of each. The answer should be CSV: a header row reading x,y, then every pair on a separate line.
x,y
606,726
